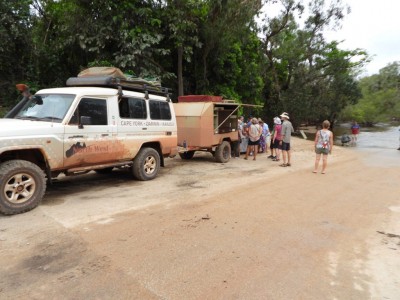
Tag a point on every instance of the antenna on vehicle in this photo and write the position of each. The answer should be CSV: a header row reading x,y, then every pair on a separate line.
x,y
120,94
146,92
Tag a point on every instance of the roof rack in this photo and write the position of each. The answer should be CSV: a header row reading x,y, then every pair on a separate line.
x,y
113,82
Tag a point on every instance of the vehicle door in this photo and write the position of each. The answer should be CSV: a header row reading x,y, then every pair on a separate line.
x,y
87,139
132,128
162,124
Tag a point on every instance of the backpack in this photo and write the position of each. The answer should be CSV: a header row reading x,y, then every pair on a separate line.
x,y
325,140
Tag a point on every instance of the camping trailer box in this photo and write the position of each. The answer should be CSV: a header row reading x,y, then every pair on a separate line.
x,y
206,126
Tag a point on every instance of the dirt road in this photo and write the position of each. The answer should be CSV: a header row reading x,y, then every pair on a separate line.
x,y
202,230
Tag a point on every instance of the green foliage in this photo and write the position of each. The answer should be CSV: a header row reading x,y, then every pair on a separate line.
x,y
238,72
195,47
308,77
15,37
380,100
223,25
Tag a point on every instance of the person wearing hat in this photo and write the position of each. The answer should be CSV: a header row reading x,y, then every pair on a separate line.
x,y
287,129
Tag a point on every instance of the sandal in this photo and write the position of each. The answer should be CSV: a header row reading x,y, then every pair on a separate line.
x,y
288,165
276,159
283,165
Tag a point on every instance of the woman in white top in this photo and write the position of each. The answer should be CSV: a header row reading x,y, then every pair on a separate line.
x,y
254,138
323,146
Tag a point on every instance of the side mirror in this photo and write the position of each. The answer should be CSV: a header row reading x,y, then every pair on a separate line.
x,y
85,120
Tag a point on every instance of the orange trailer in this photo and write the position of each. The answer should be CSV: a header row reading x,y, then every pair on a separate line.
x,y
207,126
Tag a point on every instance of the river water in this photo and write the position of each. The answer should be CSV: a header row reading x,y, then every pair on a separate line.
x,y
378,137
380,142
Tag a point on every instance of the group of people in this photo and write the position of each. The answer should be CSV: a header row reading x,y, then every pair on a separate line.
x,y
256,137
253,137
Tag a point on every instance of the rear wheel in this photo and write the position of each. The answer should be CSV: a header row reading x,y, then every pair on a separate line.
x,y
22,186
223,152
186,154
146,164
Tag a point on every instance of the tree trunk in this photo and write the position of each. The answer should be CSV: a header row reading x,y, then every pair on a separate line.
x,y
204,85
180,75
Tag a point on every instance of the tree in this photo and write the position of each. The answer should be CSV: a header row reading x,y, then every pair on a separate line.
x,y
181,19
124,33
15,47
306,74
238,71
380,100
224,23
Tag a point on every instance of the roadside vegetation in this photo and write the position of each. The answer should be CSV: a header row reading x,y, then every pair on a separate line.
x,y
380,101
282,61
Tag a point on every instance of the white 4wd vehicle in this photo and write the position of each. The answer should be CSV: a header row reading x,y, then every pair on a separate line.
x,y
96,124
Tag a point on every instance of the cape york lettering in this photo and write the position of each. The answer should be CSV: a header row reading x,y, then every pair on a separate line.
x,y
132,123
140,123
152,123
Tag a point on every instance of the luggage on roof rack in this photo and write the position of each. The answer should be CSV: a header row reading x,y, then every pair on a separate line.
x,y
114,82
112,77
102,71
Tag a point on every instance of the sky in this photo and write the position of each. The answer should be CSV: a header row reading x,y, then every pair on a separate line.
x,y
373,26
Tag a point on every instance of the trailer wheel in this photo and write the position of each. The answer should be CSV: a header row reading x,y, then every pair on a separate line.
x,y
146,164
22,186
186,154
223,152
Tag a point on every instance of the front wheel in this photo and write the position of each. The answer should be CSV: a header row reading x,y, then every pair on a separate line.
x,y
146,164
223,152
22,185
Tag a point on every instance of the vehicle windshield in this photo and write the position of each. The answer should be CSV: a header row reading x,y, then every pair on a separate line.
x,y
46,107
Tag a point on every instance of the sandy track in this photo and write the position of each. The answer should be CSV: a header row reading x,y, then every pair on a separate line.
x,y
241,230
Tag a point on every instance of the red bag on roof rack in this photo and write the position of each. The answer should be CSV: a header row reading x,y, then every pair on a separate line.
x,y
199,98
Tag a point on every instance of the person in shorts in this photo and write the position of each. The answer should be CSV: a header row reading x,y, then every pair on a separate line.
x,y
287,129
323,146
254,138
276,139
